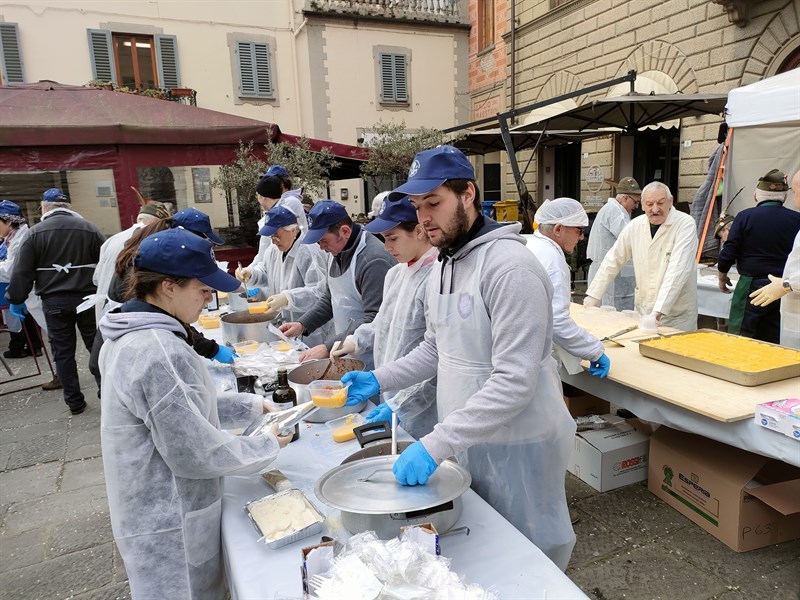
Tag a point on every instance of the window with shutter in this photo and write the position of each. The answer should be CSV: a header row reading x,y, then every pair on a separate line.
x,y
167,57
255,70
10,55
101,52
394,78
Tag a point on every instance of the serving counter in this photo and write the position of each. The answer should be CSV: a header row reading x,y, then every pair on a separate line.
x,y
494,554
682,399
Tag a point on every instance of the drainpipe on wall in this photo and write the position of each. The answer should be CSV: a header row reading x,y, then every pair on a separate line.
x,y
513,54
296,74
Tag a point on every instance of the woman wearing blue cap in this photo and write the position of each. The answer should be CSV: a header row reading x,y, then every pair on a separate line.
x,y
399,326
164,450
293,274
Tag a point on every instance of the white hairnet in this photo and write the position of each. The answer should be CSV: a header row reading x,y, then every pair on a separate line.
x,y
562,211
377,203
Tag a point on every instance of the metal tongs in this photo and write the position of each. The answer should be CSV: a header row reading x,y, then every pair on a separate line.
x,y
285,419
610,338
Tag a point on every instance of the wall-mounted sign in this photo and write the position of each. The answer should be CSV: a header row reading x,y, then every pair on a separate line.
x,y
594,178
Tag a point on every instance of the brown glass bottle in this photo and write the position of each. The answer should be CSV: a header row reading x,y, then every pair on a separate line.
x,y
284,397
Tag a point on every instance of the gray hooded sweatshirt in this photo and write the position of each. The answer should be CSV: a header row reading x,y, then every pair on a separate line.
x,y
517,294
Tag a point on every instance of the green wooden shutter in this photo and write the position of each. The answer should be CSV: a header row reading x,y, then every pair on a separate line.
x,y
394,78
10,55
255,77
400,79
102,55
167,57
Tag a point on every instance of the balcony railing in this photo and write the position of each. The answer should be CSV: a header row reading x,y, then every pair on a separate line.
x,y
419,10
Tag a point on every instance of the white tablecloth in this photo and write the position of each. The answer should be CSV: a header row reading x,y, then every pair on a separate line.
x,y
745,434
493,554
710,300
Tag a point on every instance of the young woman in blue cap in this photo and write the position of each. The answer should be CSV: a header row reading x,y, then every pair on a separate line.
x,y
14,231
164,449
399,326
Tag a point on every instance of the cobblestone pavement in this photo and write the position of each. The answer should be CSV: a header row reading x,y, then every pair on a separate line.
x,y
56,541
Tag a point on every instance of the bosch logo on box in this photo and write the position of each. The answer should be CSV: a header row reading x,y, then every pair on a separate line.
x,y
630,463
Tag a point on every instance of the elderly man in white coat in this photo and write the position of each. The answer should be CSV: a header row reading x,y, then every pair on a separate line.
x,y
608,224
663,244
561,223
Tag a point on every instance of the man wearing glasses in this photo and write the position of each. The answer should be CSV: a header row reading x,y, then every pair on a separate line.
x,y
561,225
608,224
662,243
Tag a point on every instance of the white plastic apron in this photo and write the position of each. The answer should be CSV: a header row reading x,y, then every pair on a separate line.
x,y
348,309
520,470
790,303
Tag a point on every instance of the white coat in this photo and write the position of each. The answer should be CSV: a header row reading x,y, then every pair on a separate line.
x,y
790,303
666,280
293,200
104,271
397,329
13,243
567,336
301,275
611,219
165,454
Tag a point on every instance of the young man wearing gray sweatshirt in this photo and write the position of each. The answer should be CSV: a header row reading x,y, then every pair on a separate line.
x,y
499,399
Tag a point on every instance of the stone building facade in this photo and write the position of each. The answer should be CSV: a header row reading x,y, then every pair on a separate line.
x,y
676,46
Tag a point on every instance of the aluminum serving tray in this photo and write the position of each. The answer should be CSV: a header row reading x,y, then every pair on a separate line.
x,y
745,378
300,534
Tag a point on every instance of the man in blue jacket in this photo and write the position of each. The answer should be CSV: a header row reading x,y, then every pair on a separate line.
x,y
759,242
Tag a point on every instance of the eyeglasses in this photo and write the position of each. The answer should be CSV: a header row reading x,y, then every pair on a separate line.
x,y
581,230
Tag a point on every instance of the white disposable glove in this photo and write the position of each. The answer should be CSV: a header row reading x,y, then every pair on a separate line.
x,y
589,301
243,273
277,302
348,346
774,290
283,440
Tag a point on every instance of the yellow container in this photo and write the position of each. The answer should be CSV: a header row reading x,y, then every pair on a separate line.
x,y
328,393
209,321
342,428
246,347
281,346
506,210
257,308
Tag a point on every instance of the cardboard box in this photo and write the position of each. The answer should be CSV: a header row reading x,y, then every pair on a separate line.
x,y
317,560
782,416
581,404
745,500
425,535
612,457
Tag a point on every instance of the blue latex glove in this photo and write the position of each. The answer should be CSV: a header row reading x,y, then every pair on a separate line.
x,y
253,292
414,465
363,385
19,310
600,367
225,354
382,412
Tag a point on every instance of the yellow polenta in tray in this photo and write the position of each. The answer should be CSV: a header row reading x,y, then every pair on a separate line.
x,y
730,357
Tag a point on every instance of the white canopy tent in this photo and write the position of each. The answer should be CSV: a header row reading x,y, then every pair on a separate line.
x,y
765,118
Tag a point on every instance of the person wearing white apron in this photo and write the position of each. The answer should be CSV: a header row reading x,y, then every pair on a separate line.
x,y
499,398
401,322
357,267
787,288
561,223
293,274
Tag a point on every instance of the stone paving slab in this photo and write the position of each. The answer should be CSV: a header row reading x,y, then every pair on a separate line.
x,y
593,541
29,482
23,549
42,449
60,577
55,509
78,534
82,473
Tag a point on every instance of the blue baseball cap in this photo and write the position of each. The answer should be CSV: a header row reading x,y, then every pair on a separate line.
x,y
277,217
392,214
7,207
431,168
181,253
276,171
54,195
198,222
324,214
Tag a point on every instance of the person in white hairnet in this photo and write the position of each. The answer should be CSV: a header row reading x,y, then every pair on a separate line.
x,y
293,274
377,205
561,224
400,324
164,450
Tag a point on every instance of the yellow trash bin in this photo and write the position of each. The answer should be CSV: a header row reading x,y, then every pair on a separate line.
x,y
506,210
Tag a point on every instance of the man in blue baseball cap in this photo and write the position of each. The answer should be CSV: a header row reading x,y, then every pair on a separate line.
x,y
274,188
60,257
499,396
357,267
